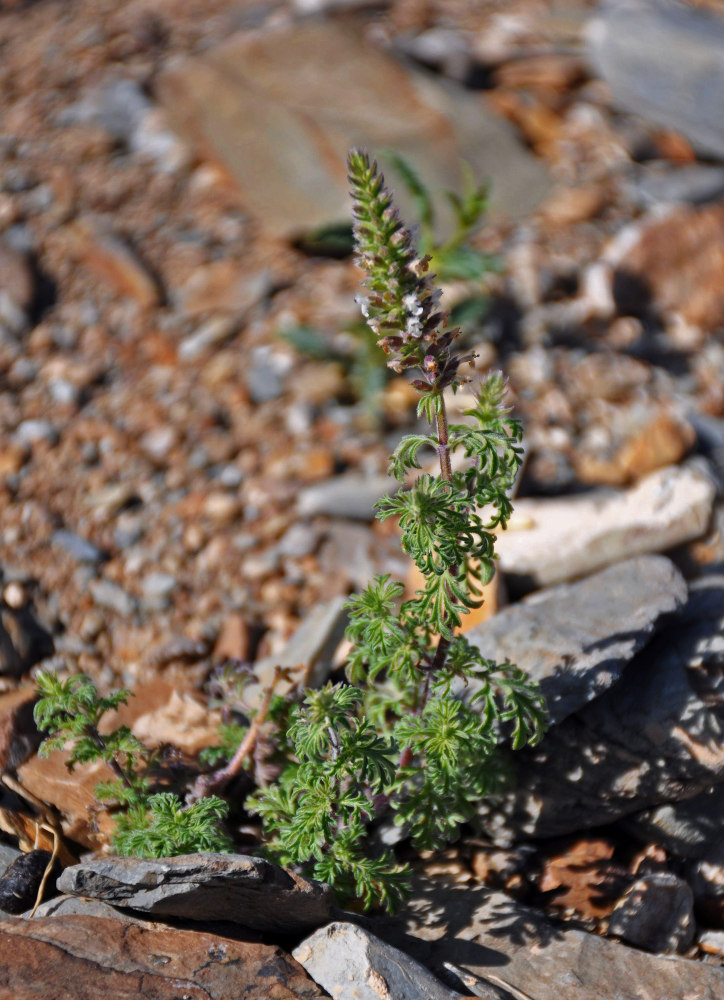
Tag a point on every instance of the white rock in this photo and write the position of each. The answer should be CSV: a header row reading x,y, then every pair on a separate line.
x,y
553,540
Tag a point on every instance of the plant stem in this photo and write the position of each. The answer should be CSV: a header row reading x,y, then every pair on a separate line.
x,y
216,782
114,765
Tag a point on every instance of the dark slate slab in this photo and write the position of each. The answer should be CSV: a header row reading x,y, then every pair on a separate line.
x,y
656,737
199,887
577,638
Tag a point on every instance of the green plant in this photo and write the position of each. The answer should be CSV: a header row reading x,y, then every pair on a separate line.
x,y
454,259
149,825
400,741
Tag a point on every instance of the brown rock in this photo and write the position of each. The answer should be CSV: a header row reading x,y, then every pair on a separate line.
x,y
676,265
280,109
222,286
114,262
86,957
663,441
570,205
16,279
19,737
72,794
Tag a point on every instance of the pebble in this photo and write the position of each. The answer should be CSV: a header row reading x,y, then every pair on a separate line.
x,y
107,594
34,430
657,913
350,495
78,547
352,964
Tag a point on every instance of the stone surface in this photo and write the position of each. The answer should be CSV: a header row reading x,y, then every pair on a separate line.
x,y
657,913
352,964
552,540
233,887
664,60
23,640
113,261
690,829
350,495
661,184
19,736
280,110
576,639
655,737
309,651
486,932
86,957
672,264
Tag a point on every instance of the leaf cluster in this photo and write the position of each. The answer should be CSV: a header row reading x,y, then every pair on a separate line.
x,y
147,825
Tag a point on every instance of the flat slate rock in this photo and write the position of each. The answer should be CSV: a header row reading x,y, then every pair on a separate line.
x,y
552,540
486,932
87,957
654,738
278,109
352,964
576,639
681,91
243,890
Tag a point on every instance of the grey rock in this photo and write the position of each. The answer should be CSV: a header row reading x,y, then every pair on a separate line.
x,y
78,547
352,964
657,913
157,588
107,594
483,932
664,60
265,374
655,737
349,495
8,854
553,540
298,541
576,639
63,906
233,887
311,647
693,184
689,829
31,431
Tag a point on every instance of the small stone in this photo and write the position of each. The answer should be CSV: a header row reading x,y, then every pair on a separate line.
x,y
298,541
350,495
265,375
113,261
221,507
32,431
661,184
107,594
712,943
223,287
657,913
157,588
158,442
210,334
352,964
233,887
78,547
19,736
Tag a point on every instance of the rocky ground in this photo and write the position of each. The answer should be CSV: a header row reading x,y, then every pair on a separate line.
x,y
180,485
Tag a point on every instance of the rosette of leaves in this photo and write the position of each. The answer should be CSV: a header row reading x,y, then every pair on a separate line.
x,y
397,739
